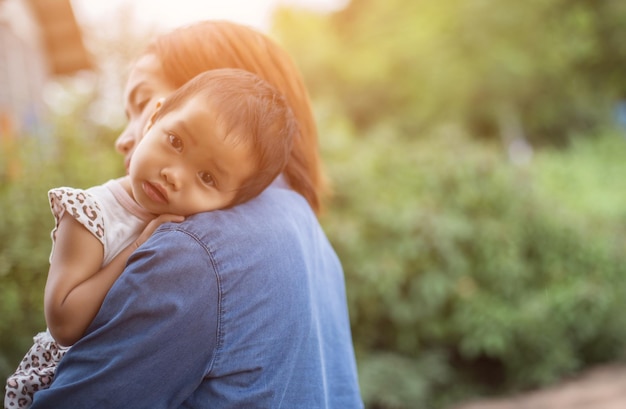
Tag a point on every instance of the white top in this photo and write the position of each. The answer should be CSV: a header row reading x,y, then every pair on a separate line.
x,y
107,211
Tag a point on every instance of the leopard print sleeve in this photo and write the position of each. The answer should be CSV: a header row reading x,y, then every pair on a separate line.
x,y
81,206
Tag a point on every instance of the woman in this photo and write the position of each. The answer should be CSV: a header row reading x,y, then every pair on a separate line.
x,y
243,307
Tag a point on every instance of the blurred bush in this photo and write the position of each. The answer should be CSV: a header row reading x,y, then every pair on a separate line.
x,y
74,155
464,275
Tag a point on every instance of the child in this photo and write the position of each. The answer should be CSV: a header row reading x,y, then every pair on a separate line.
x,y
216,142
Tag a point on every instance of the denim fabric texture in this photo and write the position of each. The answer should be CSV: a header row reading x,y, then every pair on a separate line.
x,y
238,308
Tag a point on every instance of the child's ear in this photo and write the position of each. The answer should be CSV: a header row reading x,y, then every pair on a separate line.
x,y
159,104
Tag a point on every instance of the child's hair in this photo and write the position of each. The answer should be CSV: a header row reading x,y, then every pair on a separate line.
x,y
249,108
206,45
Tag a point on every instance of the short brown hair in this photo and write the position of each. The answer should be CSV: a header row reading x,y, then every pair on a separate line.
x,y
249,108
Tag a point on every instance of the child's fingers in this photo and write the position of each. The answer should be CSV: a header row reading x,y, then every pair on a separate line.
x,y
164,218
159,220
154,224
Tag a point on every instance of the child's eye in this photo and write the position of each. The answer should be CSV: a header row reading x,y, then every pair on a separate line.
x,y
206,178
176,142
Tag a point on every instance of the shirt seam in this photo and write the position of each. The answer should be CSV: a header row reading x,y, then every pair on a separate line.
x,y
219,331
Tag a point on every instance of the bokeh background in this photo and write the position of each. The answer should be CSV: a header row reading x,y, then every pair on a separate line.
x,y
477,151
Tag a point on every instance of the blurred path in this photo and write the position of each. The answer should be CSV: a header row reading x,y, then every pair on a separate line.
x,y
600,388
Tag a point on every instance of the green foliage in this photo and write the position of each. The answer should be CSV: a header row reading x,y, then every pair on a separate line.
x,y
553,67
395,381
69,157
455,257
586,180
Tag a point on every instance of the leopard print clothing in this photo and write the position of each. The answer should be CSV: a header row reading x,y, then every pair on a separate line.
x,y
35,372
125,220
37,369
80,205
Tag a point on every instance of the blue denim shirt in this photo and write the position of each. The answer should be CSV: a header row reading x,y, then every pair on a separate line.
x,y
240,308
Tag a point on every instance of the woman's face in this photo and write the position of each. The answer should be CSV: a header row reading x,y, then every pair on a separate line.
x,y
146,85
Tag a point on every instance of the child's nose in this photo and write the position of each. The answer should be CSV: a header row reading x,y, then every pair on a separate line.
x,y
172,176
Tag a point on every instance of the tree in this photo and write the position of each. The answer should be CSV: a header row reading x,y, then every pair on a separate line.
x,y
543,68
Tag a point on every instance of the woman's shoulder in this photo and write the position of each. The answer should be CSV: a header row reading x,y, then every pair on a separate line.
x,y
272,206
276,212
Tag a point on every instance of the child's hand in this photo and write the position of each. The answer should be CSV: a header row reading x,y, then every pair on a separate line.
x,y
152,226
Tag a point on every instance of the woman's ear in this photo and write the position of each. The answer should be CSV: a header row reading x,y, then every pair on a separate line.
x,y
150,122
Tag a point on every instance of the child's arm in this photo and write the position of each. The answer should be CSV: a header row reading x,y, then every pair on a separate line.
x,y
77,284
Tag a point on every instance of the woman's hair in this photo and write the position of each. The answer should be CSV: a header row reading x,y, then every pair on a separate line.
x,y
247,110
187,51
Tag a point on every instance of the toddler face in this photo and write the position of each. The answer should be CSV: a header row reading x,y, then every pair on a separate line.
x,y
186,163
